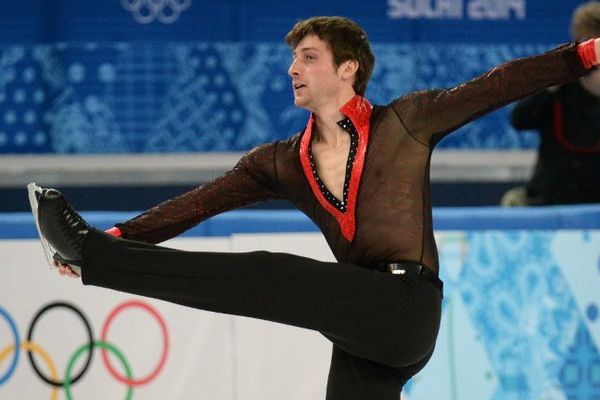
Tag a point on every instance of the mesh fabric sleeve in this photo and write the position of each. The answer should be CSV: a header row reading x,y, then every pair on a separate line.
x,y
430,115
253,179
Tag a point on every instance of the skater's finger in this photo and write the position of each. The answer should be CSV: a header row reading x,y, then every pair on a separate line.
x,y
71,273
63,269
66,270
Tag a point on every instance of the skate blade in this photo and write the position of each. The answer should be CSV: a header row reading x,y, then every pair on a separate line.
x,y
34,191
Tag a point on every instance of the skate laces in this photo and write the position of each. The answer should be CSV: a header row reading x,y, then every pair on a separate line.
x,y
73,226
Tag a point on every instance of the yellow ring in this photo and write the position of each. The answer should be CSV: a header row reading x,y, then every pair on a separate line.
x,y
30,346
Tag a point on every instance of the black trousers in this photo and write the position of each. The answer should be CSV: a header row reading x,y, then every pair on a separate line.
x,y
383,326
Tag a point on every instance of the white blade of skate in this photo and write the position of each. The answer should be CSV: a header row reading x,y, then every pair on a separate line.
x,y
34,190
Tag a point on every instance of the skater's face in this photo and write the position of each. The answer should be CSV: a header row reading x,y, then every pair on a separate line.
x,y
316,80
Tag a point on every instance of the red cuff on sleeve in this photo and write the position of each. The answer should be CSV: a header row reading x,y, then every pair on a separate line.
x,y
114,231
587,53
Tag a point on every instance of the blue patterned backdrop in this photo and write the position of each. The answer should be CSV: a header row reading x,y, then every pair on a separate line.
x,y
189,75
520,317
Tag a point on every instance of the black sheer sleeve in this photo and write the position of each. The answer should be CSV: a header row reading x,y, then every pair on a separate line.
x,y
430,115
253,179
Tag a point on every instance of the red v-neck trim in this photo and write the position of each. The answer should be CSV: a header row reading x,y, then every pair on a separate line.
x,y
358,109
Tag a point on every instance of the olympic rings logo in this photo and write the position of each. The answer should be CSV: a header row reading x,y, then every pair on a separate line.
x,y
70,378
147,11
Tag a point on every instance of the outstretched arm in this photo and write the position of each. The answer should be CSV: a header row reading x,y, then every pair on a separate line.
x,y
251,180
430,115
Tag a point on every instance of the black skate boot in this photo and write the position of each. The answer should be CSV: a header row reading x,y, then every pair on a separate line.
x,y
62,227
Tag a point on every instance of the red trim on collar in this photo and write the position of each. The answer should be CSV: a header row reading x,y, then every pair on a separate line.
x,y
358,109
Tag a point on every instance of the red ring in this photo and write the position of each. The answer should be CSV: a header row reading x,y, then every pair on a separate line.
x,y
163,358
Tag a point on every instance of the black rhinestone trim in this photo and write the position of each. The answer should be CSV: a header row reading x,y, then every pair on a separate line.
x,y
347,125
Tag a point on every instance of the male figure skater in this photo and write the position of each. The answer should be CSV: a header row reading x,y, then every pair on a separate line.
x,y
361,173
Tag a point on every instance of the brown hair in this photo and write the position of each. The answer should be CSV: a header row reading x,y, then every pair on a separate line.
x,y
585,23
347,40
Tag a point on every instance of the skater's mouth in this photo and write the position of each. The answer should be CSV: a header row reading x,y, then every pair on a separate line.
x,y
298,85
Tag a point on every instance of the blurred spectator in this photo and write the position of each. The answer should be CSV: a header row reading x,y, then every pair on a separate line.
x,y
567,117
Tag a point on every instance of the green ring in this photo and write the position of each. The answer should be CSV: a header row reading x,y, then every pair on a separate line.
x,y
79,352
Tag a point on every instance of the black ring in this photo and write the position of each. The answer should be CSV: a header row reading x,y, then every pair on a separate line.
x,y
89,332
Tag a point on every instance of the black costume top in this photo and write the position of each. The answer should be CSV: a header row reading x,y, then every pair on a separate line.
x,y
567,170
385,215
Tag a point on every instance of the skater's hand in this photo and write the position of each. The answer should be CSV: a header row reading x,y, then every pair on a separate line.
x,y
66,270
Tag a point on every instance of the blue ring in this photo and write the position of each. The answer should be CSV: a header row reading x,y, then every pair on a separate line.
x,y
15,360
